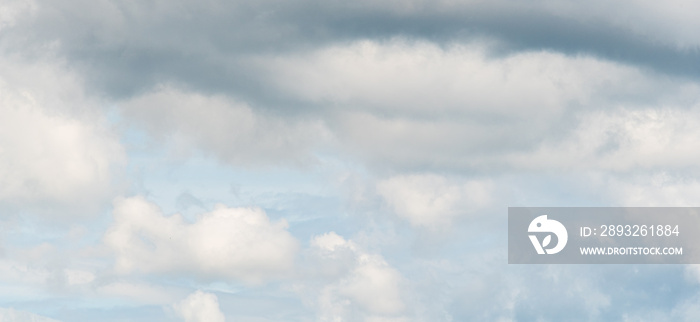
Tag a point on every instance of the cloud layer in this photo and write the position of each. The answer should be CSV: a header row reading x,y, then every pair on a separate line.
x,y
335,161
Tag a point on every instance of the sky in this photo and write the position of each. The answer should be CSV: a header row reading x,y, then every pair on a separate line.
x,y
336,160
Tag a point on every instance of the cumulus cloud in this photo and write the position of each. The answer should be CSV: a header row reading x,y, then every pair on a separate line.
x,y
227,128
352,284
236,243
433,201
55,146
200,307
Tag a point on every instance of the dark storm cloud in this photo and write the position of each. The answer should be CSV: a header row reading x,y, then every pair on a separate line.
x,y
124,48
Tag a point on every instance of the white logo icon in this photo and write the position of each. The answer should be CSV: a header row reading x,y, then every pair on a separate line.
x,y
543,225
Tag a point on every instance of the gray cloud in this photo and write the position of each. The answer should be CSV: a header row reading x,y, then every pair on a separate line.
x,y
125,48
535,71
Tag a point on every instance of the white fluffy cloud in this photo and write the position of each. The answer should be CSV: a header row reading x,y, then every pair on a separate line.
x,y
239,243
352,284
229,129
432,201
56,148
200,307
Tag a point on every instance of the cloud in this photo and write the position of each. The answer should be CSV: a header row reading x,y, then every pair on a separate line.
x,y
124,49
432,201
56,149
13,10
78,277
226,243
200,307
403,77
670,24
227,128
404,100
351,284
12,315
139,292
26,272
414,106
622,140
601,101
